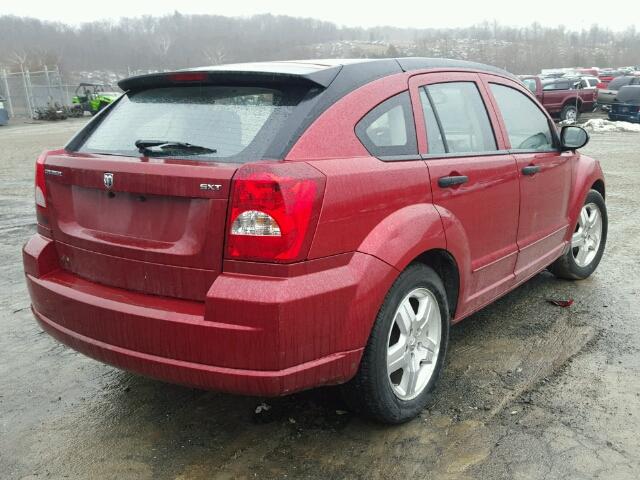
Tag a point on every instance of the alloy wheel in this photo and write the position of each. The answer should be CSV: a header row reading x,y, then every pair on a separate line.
x,y
587,236
414,343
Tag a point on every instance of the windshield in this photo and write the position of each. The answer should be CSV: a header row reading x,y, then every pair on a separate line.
x,y
231,124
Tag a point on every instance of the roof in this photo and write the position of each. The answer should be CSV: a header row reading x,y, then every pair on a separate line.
x,y
320,72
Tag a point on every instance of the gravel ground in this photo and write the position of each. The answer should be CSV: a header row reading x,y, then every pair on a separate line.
x,y
530,390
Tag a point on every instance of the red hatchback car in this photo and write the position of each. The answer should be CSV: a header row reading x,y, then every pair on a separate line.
x,y
272,227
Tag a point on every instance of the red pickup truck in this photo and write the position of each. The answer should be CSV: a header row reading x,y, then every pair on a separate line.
x,y
562,97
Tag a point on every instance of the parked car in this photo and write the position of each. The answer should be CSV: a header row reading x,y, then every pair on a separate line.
x,y
591,72
562,97
4,115
627,104
271,227
606,97
92,97
607,76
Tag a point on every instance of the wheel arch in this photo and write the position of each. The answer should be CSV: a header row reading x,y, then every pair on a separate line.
x,y
598,186
587,176
415,234
572,102
445,265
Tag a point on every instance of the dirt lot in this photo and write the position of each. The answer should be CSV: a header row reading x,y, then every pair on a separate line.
x,y
531,390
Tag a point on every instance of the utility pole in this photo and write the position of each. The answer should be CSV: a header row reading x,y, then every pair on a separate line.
x,y
46,76
64,97
26,90
32,101
7,92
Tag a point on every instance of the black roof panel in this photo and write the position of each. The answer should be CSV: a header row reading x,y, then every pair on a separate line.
x,y
321,72
421,63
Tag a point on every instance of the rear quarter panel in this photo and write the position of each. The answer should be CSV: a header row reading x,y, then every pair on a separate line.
x,y
366,200
380,208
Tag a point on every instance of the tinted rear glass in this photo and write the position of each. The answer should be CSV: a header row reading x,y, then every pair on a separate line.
x,y
556,85
630,94
618,82
238,123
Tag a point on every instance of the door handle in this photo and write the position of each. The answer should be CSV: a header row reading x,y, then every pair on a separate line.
x,y
531,169
452,181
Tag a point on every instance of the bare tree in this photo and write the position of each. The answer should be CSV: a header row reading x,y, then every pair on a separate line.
x,y
179,41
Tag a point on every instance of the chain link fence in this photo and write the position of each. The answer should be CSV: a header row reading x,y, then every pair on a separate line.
x,y
26,91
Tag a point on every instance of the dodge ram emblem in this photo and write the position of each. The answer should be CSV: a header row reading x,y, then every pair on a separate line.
x,y
108,180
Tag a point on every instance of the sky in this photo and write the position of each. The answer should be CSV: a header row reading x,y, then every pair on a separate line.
x,y
575,15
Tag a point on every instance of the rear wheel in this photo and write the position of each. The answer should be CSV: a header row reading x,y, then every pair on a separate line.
x,y
569,113
406,349
587,243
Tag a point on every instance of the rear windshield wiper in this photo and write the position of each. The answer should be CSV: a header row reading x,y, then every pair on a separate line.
x,y
166,146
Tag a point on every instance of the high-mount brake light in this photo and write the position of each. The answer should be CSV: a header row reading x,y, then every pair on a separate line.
x,y
185,77
274,210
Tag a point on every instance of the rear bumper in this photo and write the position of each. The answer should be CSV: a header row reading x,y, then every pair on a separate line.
x,y
254,335
629,117
208,377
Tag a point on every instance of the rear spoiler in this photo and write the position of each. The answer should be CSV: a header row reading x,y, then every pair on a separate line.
x,y
217,76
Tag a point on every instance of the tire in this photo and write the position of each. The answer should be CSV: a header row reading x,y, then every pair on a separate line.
x,y
379,394
572,265
569,113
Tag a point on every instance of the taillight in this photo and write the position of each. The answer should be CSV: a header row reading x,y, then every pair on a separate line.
x,y
41,192
274,211
41,187
601,85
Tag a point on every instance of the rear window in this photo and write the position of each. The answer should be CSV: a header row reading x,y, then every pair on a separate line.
x,y
556,85
232,124
530,83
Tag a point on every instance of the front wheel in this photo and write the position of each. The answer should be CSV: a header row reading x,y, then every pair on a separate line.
x,y
406,349
587,243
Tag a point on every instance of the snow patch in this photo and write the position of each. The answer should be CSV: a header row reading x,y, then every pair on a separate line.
x,y
599,125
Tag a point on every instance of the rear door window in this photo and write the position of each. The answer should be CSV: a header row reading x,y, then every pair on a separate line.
x,y
389,130
461,117
232,124
527,127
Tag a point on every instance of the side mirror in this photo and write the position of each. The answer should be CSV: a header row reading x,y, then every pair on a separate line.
x,y
573,138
